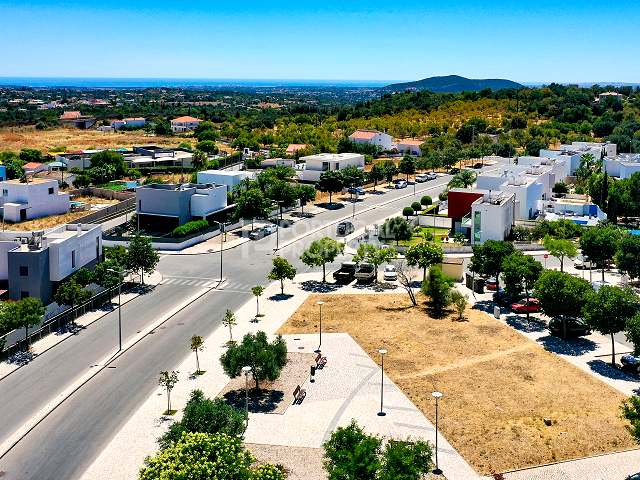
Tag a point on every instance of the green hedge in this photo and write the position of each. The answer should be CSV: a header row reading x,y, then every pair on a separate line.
x,y
189,228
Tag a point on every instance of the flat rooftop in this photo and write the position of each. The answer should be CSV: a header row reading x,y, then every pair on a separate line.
x,y
34,180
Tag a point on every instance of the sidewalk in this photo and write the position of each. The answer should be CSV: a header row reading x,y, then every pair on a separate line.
x,y
348,388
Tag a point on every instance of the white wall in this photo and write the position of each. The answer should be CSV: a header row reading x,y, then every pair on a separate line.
x,y
495,221
207,201
61,250
223,177
35,197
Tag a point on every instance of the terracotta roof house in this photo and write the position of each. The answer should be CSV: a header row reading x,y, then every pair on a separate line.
x,y
294,147
372,137
185,124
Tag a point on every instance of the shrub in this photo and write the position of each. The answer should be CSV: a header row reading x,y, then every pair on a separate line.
x,y
407,211
416,206
190,228
426,200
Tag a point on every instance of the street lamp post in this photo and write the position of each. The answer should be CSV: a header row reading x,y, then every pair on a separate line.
x,y
437,395
221,247
382,351
279,203
246,371
355,200
120,279
319,349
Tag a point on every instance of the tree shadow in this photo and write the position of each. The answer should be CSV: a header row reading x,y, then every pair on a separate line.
x,y
573,347
262,401
316,286
330,206
21,358
607,370
485,306
303,215
400,308
377,192
142,289
520,323
279,297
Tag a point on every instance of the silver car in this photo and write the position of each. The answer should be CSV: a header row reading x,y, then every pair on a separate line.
x,y
390,273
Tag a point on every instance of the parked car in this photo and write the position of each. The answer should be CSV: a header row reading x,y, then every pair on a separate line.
x,y
269,229
356,190
257,234
345,228
390,273
422,177
454,170
491,285
401,184
574,327
477,165
346,273
365,273
526,306
630,364
581,262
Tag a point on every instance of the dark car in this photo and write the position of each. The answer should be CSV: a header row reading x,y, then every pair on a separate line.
x,y
356,191
630,364
257,234
478,165
454,170
573,327
345,228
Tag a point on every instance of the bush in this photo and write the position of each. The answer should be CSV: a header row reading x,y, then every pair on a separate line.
x,y
426,200
416,206
407,211
190,228
437,286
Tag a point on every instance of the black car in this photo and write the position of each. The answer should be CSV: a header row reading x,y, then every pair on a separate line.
x,y
454,171
573,327
345,228
478,165
630,364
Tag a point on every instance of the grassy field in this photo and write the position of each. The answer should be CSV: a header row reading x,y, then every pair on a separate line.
x,y
498,385
17,138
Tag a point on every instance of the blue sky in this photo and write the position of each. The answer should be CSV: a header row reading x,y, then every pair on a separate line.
x,y
525,40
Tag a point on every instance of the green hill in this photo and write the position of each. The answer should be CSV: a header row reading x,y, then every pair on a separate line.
x,y
452,84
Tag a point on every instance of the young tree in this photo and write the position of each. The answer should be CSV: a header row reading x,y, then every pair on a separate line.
x,y
330,181
168,380
407,166
282,270
487,258
561,294
560,248
631,412
599,244
196,345
627,256
283,193
26,313
608,309
407,212
352,176
390,170
205,415
72,294
229,321
397,228
83,277
405,279
141,256
416,207
405,460
351,454
426,200
374,255
104,276
376,174
257,291
251,204
265,359
520,272
424,255
305,194
459,302
321,252
437,287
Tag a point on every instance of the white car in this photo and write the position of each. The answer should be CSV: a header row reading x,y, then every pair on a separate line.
x,y
422,177
270,228
401,184
582,263
390,273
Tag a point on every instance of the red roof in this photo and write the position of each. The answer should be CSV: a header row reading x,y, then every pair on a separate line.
x,y
410,141
185,119
364,134
70,115
32,166
294,147
460,201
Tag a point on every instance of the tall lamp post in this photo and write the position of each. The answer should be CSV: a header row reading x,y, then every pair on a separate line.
x,y
120,274
246,371
382,351
222,228
437,395
319,349
279,203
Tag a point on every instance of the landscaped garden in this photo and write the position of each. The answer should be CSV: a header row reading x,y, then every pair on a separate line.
x,y
507,402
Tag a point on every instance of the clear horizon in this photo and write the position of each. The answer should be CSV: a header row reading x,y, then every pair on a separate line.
x,y
531,42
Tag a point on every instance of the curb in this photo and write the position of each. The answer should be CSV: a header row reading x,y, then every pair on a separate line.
x,y
47,410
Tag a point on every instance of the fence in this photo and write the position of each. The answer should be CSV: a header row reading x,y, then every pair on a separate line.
x,y
15,341
102,193
109,212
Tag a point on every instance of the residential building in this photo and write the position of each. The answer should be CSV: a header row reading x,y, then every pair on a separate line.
x,y
165,206
278,162
409,146
560,165
459,201
527,184
623,165
154,156
605,95
32,264
293,148
32,168
315,165
34,199
574,152
372,137
74,119
577,208
136,122
492,217
184,124
229,178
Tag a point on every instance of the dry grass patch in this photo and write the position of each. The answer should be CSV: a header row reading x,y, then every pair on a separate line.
x,y
498,385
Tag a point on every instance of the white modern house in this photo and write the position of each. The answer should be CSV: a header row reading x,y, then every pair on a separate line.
x,y
229,178
33,263
166,206
184,124
372,137
316,165
135,122
492,217
573,152
560,165
623,165
577,208
34,199
409,146
528,189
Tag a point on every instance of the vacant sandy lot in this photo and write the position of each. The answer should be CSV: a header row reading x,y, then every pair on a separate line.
x,y
499,386
17,138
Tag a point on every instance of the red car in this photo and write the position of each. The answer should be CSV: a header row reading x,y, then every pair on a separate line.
x,y
491,285
524,306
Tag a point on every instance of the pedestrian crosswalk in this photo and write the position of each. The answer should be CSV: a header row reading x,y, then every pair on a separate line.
x,y
200,282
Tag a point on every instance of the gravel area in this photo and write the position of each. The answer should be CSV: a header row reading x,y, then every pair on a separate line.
x,y
301,463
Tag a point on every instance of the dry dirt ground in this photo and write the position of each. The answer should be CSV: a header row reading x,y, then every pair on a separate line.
x,y
498,386
16,138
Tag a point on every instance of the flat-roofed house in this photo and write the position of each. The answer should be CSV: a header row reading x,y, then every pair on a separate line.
x,y
315,165
34,199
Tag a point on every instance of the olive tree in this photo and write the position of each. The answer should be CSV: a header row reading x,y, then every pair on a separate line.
x,y
321,252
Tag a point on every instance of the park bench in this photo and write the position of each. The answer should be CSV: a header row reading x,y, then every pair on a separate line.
x,y
298,395
320,361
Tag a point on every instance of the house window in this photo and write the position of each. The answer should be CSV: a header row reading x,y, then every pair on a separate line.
x,y
24,271
50,190
325,166
73,259
23,294
5,192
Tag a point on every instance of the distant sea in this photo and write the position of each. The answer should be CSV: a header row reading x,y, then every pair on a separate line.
x,y
181,82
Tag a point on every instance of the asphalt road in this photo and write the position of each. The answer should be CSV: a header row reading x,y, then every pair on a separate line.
x,y
64,444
